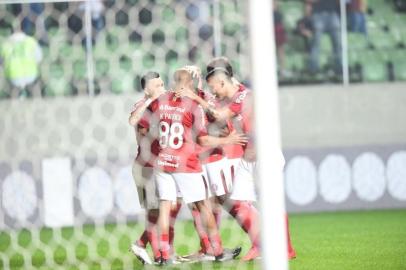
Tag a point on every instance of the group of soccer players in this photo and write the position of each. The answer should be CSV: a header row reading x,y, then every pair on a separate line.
x,y
196,147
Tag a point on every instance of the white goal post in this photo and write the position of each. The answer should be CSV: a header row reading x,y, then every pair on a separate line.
x,y
272,202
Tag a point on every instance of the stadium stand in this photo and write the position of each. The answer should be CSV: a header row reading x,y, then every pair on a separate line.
x,y
139,41
386,38
65,159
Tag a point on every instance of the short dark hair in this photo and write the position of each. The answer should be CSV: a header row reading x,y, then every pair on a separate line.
x,y
149,76
220,62
217,70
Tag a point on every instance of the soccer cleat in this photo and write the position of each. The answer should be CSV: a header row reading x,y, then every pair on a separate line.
x,y
206,258
175,259
191,257
252,254
140,253
197,257
170,261
228,254
163,262
186,258
236,251
157,261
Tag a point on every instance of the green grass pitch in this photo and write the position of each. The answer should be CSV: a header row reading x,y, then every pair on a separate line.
x,y
344,240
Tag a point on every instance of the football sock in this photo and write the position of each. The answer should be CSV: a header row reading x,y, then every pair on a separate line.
x,y
290,246
165,246
216,244
143,241
152,229
204,238
248,218
173,214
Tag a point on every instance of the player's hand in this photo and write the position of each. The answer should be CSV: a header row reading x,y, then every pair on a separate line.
x,y
185,92
237,138
157,93
195,71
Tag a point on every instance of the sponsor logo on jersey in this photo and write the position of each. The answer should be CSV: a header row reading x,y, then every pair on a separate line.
x,y
241,97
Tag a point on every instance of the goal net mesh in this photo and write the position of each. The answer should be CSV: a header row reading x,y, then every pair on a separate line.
x,y
87,139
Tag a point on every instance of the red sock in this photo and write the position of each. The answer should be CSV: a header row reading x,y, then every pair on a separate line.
x,y
248,218
216,244
290,246
172,215
143,241
204,238
152,228
165,246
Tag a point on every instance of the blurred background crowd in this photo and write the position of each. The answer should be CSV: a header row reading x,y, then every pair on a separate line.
x,y
310,34
70,48
70,74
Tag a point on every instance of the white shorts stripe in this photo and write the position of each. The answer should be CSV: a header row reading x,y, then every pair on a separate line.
x,y
219,176
244,184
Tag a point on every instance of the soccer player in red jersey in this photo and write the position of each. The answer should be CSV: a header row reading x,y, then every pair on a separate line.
x,y
181,125
240,106
214,165
237,108
239,206
153,87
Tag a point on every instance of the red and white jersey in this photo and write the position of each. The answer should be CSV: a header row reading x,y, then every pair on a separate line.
x,y
148,148
211,154
241,104
180,121
233,151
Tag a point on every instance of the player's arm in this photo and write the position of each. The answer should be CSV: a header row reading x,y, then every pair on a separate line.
x,y
196,73
220,114
206,140
190,93
136,115
139,110
232,138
